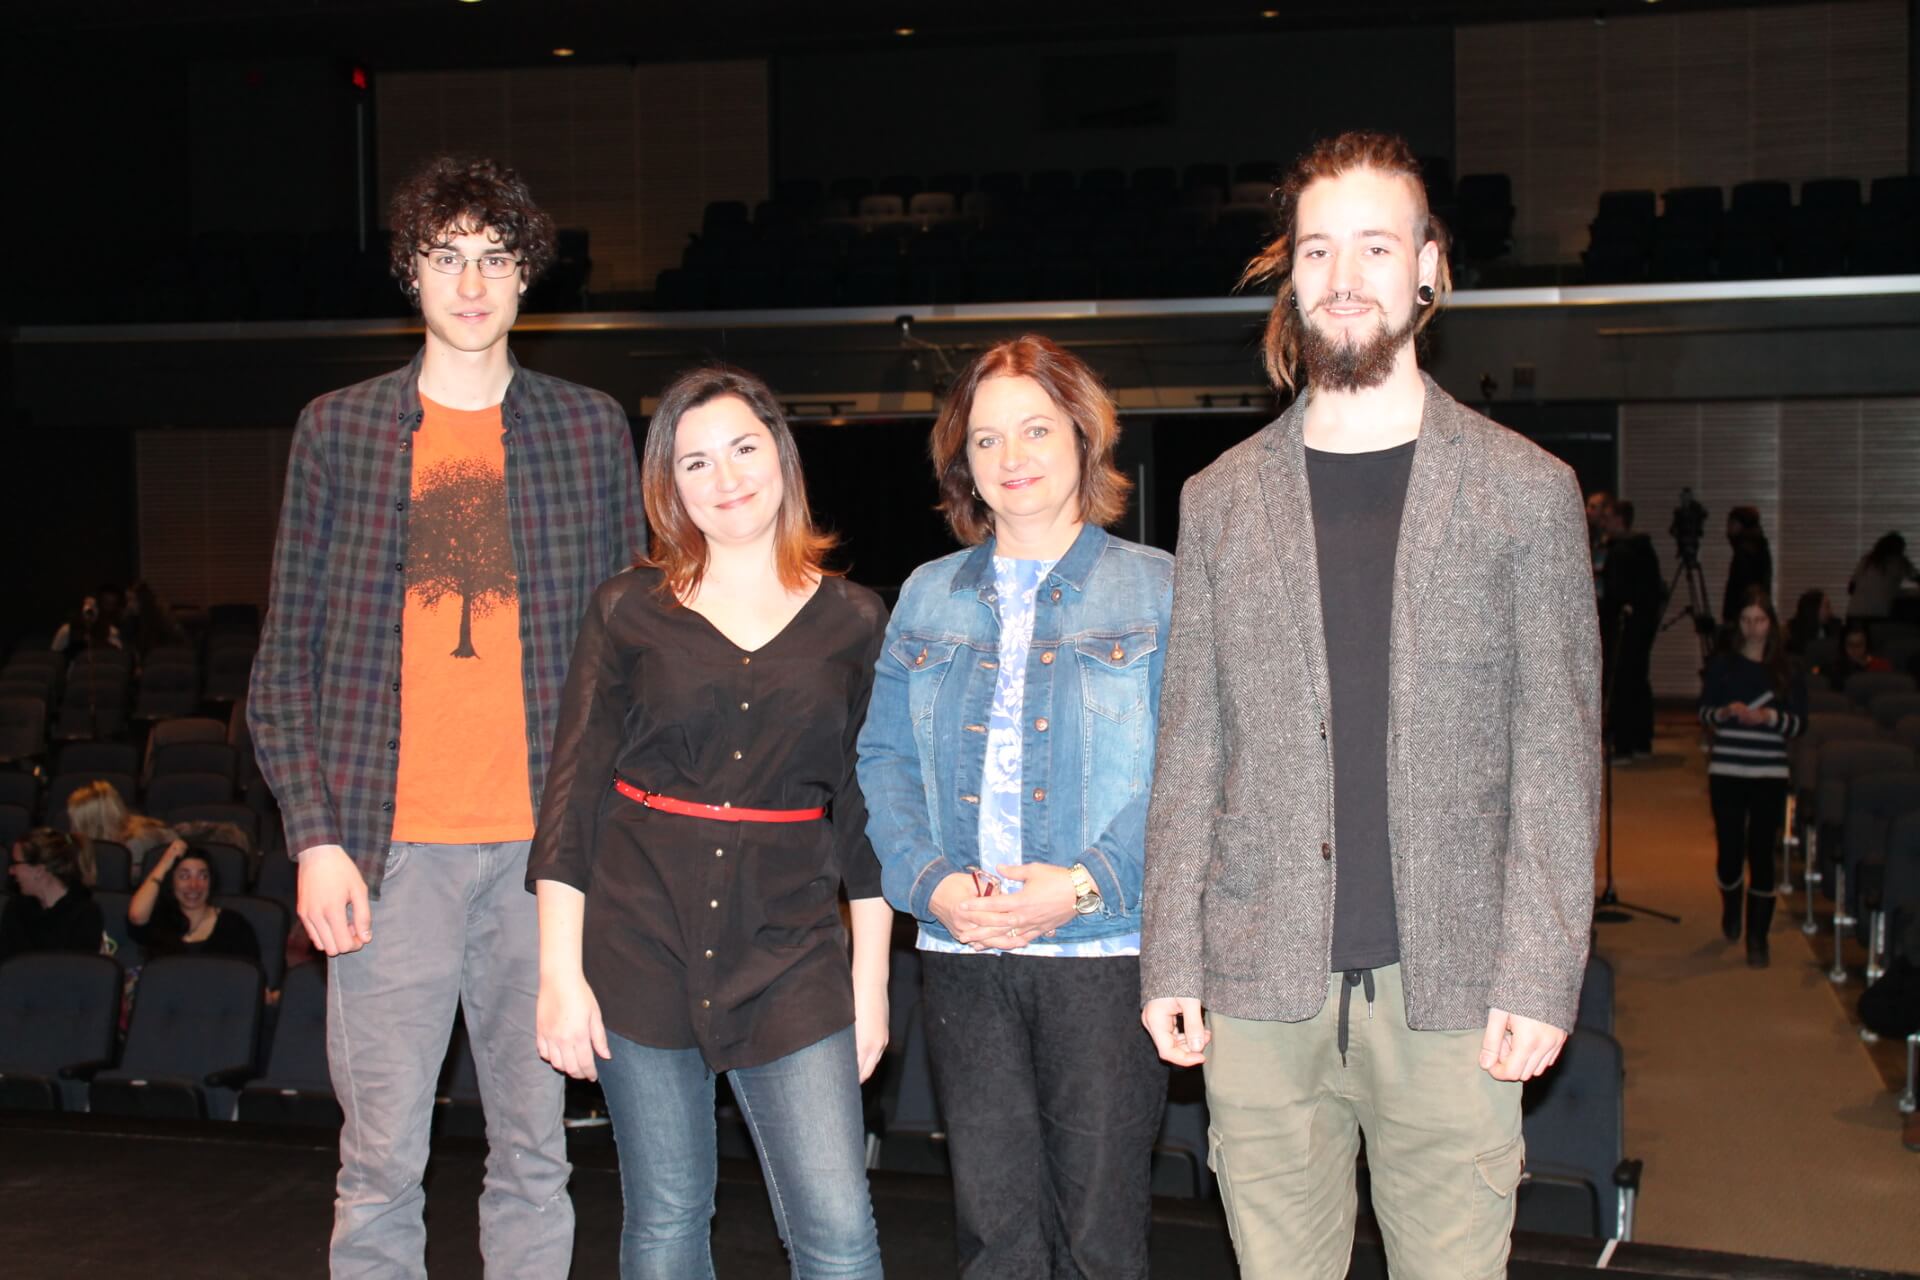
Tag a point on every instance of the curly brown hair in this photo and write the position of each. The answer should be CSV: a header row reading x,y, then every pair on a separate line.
x,y
452,195
1329,158
1081,395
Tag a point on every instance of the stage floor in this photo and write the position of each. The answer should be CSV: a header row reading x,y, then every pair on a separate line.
x,y
86,1197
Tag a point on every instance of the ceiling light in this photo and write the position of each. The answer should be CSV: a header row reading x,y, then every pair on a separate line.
x,y
903,31
563,52
1269,13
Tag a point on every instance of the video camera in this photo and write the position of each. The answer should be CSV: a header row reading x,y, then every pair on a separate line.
x,y
1689,525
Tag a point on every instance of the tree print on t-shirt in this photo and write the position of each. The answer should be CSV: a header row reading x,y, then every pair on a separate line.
x,y
459,544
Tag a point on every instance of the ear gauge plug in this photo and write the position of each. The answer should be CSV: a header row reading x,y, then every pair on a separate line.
x,y
1426,295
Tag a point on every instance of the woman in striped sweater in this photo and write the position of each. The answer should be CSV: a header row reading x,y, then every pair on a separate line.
x,y
1752,702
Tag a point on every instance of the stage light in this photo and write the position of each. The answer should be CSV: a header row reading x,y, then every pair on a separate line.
x,y
1269,13
903,32
563,52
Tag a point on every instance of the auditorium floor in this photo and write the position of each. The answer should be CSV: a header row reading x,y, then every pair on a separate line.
x,y
1765,1124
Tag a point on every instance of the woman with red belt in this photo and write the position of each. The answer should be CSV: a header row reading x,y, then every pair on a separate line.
x,y
700,817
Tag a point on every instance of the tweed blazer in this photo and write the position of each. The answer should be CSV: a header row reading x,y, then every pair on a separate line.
x,y
1493,735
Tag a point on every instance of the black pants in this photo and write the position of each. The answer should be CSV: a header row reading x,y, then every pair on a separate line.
x,y
1747,813
1633,686
1052,1095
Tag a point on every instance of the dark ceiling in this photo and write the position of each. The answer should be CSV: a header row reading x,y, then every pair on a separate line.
x,y
402,34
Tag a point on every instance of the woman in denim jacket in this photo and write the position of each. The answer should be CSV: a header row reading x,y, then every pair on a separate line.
x,y
1007,758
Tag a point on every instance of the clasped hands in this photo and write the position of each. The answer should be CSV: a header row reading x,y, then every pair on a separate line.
x,y
1005,921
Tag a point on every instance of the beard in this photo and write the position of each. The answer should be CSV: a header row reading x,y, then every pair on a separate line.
x,y
1342,364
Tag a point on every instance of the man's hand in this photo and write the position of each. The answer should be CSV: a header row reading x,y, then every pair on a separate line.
x,y
1517,1048
333,900
568,1031
1178,1033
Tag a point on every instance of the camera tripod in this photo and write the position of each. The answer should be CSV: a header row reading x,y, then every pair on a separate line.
x,y
1609,907
1699,605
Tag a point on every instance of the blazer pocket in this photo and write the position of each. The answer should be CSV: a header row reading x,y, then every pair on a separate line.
x,y
1246,850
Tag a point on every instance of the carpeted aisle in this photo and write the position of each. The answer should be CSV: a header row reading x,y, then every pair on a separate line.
x,y
1764,1126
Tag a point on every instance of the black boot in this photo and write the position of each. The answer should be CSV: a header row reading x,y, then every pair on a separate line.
x,y
1730,900
1759,920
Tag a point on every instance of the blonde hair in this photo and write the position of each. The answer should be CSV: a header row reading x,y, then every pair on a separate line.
x,y
97,812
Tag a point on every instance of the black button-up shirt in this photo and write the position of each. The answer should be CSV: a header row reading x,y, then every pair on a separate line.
x,y
721,936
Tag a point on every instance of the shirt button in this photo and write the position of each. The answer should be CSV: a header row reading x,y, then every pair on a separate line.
x,y
746,662
745,705
1118,653
393,744
714,904
706,1004
1056,595
396,686
399,506
396,628
709,954
736,755
1326,851
1046,659
1039,793
387,805
1041,724
398,566
719,853
1323,728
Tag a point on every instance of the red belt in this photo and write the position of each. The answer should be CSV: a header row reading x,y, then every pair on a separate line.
x,y
717,812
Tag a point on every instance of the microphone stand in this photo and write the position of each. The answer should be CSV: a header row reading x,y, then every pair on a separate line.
x,y
1610,907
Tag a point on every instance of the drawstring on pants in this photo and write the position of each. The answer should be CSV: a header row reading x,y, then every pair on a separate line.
x,y
1348,981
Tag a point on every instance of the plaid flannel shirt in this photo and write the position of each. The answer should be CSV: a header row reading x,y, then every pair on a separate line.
x,y
324,706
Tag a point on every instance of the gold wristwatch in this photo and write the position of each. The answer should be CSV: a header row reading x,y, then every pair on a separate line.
x,y
1086,897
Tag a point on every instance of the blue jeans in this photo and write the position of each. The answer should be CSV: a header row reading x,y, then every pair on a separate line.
x,y
804,1113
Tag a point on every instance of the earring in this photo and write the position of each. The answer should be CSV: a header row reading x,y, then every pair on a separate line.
x,y
1293,300
1426,295
976,493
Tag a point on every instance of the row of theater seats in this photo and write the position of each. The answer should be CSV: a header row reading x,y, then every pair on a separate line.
x,y
201,1043
1756,231
1855,826
1009,237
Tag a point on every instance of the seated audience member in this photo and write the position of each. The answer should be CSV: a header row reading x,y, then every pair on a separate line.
x,y
148,620
173,913
1878,578
1856,656
1813,636
97,812
91,624
53,907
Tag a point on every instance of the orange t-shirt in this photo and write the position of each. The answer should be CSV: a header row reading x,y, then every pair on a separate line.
x,y
463,711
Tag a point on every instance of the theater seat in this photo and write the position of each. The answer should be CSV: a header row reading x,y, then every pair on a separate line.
x,y
191,1046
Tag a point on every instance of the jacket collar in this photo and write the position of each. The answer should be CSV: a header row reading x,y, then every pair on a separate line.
x,y
514,407
976,571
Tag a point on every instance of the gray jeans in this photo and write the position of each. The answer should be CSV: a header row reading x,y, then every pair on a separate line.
x,y
454,923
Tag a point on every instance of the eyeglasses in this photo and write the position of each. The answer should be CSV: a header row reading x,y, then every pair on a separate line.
x,y
450,262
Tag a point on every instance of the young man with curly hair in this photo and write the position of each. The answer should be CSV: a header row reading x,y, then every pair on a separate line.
x,y
443,529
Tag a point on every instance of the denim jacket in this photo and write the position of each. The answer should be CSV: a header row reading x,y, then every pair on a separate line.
x,y
1092,697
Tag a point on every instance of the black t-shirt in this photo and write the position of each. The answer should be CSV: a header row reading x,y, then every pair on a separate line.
x,y
231,936
1357,502
71,924
721,936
